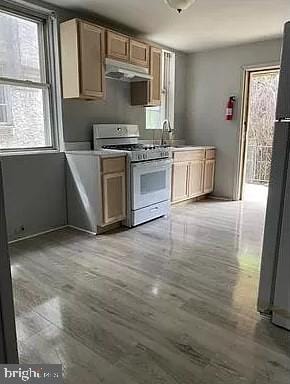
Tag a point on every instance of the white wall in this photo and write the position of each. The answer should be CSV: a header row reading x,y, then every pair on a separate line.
x,y
212,77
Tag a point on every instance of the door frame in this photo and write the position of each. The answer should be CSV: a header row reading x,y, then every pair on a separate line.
x,y
8,340
242,139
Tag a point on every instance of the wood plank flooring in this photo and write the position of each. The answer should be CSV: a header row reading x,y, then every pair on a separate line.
x,y
172,301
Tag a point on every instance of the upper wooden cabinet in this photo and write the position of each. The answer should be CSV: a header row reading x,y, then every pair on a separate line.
x,y
121,47
148,93
155,71
83,55
139,53
118,46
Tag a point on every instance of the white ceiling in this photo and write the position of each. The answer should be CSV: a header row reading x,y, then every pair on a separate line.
x,y
207,24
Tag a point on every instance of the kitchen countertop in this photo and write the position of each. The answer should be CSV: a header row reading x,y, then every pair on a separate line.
x,y
191,148
101,153
109,153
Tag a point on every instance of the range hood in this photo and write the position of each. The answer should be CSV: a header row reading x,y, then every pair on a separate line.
x,y
118,70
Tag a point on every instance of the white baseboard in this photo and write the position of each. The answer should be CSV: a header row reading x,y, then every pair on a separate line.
x,y
81,229
281,321
37,234
212,197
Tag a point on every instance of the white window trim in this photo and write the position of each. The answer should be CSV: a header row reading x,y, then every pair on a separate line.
x,y
52,66
170,113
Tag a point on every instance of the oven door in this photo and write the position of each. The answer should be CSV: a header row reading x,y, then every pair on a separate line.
x,y
150,183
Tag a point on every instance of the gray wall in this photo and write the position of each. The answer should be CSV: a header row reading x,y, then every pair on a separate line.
x,y
34,190
79,115
213,76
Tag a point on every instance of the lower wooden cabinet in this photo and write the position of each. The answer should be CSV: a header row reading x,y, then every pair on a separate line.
x,y
209,171
195,178
114,197
192,174
96,190
114,189
179,181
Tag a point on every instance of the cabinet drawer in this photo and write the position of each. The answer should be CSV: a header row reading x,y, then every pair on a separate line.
x,y
198,154
210,154
113,164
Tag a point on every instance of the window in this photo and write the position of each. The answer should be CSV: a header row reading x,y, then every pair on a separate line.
x,y
5,108
26,96
155,115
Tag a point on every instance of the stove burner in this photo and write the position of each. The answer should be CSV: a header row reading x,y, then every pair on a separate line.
x,y
134,147
125,147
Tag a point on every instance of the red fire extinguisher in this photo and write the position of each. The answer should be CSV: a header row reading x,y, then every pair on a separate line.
x,y
230,108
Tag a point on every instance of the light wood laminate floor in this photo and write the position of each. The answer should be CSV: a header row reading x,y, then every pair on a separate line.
x,y
172,301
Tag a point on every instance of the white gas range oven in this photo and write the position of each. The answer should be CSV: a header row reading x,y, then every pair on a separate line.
x,y
149,171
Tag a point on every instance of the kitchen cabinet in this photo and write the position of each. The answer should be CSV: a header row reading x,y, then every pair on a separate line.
x,y
179,181
139,53
96,190
155,71
124,48
209,171
118,46
192,173
148,93
83,55
113,190
195,178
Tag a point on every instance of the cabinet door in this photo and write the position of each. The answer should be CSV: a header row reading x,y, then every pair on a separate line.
x,y
209,171
179,181
114,197
117,46
195,178
155,71
92,71
148,93
139,53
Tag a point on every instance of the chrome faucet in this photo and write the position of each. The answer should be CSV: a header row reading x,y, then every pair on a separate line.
x,y
166,127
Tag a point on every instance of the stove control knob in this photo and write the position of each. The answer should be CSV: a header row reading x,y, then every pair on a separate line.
x,y
145,156
139,157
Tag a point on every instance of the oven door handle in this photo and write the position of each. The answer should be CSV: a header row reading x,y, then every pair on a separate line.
x,y
161,164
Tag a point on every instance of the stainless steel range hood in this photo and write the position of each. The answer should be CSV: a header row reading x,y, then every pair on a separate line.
x,y
118,70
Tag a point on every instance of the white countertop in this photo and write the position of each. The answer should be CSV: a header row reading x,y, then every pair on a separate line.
x,y
191,148
109,153
101,153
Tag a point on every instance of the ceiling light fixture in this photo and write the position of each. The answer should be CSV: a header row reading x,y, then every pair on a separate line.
x,y
179,5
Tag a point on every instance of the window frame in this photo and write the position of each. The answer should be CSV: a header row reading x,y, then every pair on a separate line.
x,y
49,71
166,106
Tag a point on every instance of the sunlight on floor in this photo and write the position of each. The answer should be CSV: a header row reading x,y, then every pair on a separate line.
x,y
256,193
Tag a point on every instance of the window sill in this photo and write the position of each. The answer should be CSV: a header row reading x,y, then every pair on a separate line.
x,y
29,153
